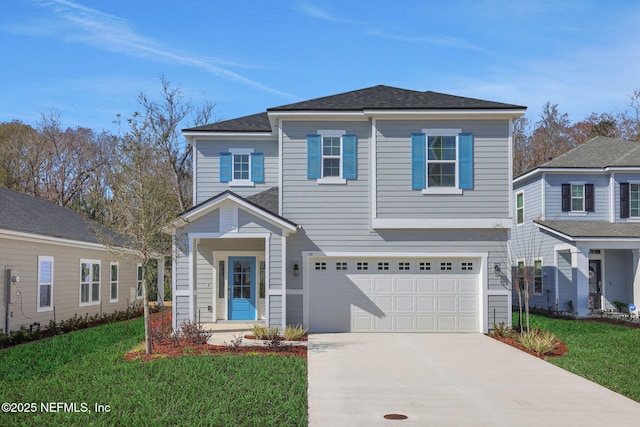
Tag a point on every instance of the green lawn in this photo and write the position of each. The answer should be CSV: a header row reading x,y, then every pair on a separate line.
x,y
606,354
85,368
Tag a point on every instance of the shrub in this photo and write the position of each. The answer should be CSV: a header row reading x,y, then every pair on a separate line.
x,y
294,333
260,331
273,333
194,333
161,328
540,342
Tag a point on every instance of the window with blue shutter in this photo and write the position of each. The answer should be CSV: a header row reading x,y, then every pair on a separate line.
x,y
226,161
314,156
257,167
465,161
349,157
418,161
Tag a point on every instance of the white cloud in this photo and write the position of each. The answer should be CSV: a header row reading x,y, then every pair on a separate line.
x,y
112,33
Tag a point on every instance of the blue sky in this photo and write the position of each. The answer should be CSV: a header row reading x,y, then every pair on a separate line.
x,y
89,59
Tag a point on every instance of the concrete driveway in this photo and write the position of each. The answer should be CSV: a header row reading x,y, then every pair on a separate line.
x,y
449,380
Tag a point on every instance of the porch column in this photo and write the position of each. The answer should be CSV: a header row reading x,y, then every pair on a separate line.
x,y
580,266
636,279
160,282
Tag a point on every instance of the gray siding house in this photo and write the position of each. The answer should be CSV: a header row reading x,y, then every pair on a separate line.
x,y
376,210
55,265
577,228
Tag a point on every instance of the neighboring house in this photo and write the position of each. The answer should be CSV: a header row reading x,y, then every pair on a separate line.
x,y
579,215
381,209
55,265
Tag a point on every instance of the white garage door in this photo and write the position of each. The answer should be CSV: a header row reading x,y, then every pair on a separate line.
x,y
394,295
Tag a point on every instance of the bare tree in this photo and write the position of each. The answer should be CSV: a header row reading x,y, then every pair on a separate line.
x,y
163,120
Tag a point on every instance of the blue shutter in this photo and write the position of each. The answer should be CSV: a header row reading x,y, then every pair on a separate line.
x,y
257,167
418,161
314,156
349,157
465,161
225,167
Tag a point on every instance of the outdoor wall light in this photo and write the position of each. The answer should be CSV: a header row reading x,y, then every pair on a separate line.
x,y
496,269
296,270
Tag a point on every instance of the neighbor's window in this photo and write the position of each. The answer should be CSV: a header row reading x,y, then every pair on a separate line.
x,y
577,197
537,276
521,275
634,200
520,208
89,282
45,283
113,282
139,282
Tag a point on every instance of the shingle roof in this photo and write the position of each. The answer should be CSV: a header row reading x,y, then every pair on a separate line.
x,y
599,152
267,200
594,229
253,123
373,98
30,214
391,98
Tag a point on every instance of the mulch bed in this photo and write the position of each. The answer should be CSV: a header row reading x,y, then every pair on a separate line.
x,y
559,350
168,350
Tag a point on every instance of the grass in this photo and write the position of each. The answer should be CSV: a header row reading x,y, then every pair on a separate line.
x,y
86,367
603,353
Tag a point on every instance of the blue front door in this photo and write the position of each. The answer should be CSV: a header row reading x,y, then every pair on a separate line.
x,y
242,288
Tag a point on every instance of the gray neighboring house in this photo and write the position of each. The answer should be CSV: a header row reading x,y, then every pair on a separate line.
x,y
582,209
376,210
55,265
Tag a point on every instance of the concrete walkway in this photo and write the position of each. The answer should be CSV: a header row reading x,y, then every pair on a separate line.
x,y
449,380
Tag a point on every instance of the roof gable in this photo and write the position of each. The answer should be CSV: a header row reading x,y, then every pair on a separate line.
x,y
255,204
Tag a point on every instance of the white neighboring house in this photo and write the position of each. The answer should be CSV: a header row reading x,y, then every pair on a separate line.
x,y
55,265
377,210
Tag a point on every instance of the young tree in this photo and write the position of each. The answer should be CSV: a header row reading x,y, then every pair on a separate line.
x,y
163,120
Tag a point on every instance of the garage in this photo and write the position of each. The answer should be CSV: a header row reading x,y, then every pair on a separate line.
x,y
394,294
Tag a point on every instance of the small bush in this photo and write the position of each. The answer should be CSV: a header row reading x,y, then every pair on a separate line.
x,y
260,331
294,333
161,328
194,333
502,330
540,342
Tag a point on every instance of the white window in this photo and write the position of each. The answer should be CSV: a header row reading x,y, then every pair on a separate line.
x,y
442,161
634,200
331,141
113,281
577,197
241,166
45,283
139,282
89,282
520,208
537,276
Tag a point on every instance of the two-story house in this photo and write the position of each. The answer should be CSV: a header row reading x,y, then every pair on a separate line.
x,y
380,209
577,227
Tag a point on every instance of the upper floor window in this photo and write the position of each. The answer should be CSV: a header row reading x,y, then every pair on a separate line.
x,y
520,208
45,283
441,161
578,197
332,157
241,167
629,200
89,282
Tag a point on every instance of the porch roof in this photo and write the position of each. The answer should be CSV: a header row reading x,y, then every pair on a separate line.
x,y
583,230
263,204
